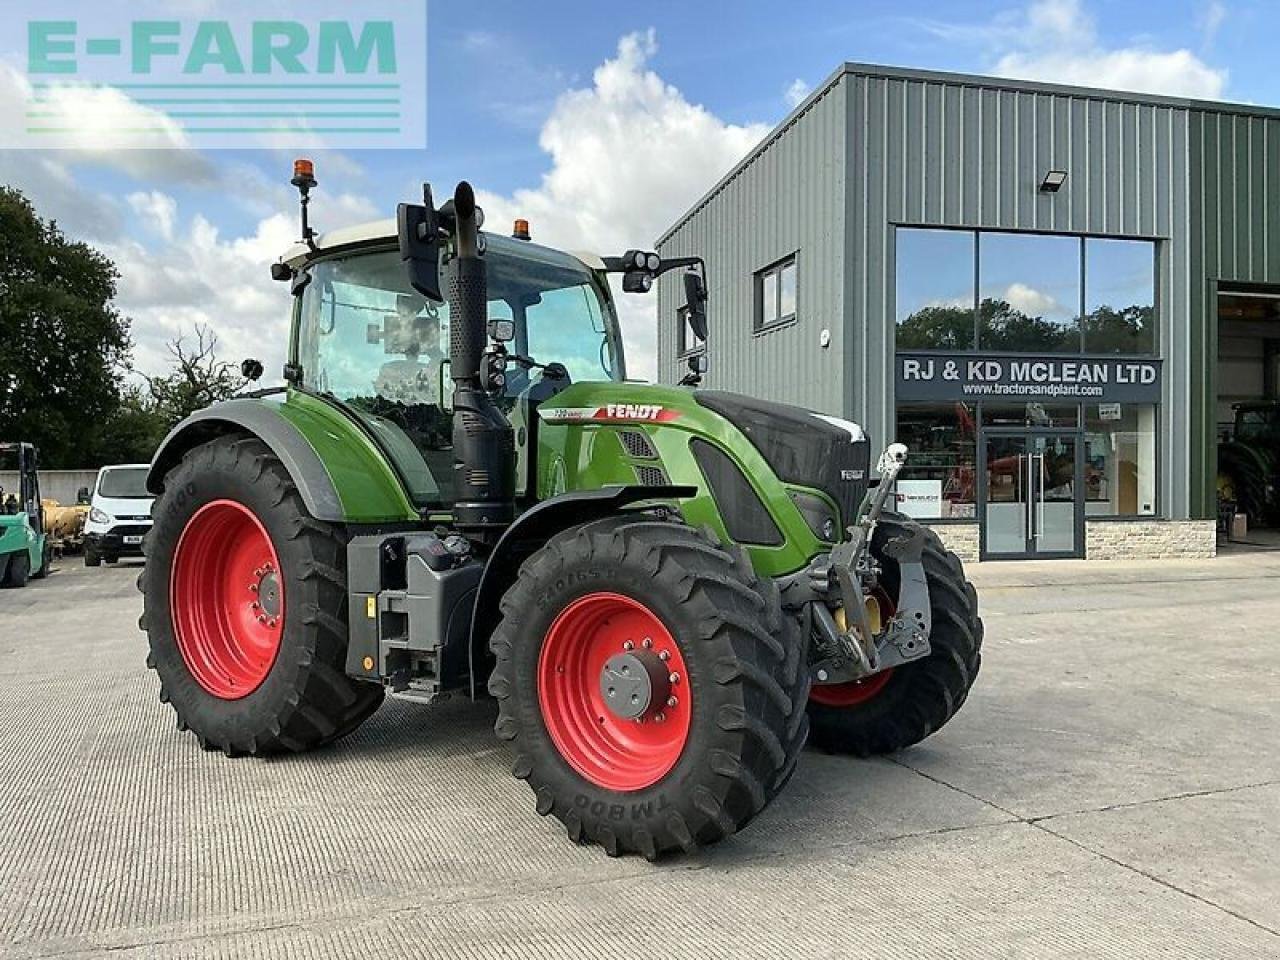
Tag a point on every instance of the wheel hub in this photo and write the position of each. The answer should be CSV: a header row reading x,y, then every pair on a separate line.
x,y
613,691
266,591
633,682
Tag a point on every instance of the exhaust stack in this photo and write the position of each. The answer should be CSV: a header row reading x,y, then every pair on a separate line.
x,y
483,441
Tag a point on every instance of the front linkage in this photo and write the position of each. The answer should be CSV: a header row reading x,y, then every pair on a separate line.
x,y
834,592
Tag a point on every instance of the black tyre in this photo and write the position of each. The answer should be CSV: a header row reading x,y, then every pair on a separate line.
x,y
46,561
92,558
251,651
704,747
19,570
897,708
1249,471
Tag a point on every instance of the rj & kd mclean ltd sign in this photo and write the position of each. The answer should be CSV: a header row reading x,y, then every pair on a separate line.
x,y
968,376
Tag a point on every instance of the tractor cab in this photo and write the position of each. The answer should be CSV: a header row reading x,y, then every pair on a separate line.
x,y
365,338
24,547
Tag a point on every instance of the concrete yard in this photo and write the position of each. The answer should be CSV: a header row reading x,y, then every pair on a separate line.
x,y
1112,789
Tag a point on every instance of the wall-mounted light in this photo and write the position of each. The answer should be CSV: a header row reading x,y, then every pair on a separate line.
x,y
1053,181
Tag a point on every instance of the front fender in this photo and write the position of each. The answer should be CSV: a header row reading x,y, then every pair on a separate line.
x,y
535,527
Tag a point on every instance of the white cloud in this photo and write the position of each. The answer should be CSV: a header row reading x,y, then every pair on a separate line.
x,y
158,210
629,154
1057,41
1029,300
202,278
1211,21
795,93
98,116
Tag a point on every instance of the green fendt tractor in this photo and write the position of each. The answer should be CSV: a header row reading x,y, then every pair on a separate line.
x,y
25,551
1249,462
648,579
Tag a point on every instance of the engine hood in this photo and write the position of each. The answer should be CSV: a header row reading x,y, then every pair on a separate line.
x,y
801,446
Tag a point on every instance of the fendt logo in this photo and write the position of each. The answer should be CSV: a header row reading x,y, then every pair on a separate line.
x,y
317,74
610,412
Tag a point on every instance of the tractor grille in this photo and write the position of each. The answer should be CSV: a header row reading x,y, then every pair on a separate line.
x,y
637,445
651,476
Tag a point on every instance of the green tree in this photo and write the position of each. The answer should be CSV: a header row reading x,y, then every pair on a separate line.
x,y
937,328
63,346
1004,328
198,378
1127,330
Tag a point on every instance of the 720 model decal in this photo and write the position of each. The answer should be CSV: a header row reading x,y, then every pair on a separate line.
x,y
608,413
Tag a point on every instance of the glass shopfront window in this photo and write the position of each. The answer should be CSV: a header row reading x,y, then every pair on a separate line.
x,y
1120,460
939,479
962,290
935,289
1120,297
1029,293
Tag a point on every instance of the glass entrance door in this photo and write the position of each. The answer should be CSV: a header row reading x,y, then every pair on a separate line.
x,y
1031,495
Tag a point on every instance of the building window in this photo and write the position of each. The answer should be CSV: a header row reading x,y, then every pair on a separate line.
x,y
1120,459
689,342
776,294
938,481
962,290
1120,297
935,290
1029,293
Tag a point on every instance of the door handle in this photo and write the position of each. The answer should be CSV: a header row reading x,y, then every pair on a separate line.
x,y
1028,495
1040,485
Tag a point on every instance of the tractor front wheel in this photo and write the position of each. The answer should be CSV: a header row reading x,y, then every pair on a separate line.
x,y
651,689
901,706
245,606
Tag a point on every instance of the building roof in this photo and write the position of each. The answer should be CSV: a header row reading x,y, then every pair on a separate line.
x,y
961,80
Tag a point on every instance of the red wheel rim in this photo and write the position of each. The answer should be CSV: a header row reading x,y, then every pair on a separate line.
x,y
850,694
854,693
227,599
607,749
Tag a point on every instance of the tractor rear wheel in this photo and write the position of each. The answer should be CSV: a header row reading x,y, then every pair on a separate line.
x,y
650,687
245,606
894,709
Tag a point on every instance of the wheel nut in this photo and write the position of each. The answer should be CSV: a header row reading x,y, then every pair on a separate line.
x,y
665,655
674,678
272,622
648,642
255,605
253,588
822,675
628,645
262,618
672,701
659,718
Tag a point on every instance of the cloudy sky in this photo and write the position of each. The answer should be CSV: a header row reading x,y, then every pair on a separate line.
x,y
599,127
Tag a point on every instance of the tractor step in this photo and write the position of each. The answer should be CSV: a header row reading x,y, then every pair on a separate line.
x,y
416,692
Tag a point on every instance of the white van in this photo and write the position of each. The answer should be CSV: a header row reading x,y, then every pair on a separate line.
x,y
119,514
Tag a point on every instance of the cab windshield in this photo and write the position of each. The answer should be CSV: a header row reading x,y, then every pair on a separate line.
x,y
367,339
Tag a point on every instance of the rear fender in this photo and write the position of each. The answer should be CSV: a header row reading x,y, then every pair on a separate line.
x,y
287,439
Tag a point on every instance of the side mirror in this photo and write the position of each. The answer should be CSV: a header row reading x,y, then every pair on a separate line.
x,y
695,295
698,364
251,369
281,272
504,331
419,232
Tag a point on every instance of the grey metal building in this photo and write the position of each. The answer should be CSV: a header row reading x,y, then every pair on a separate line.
x,y
1051,293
